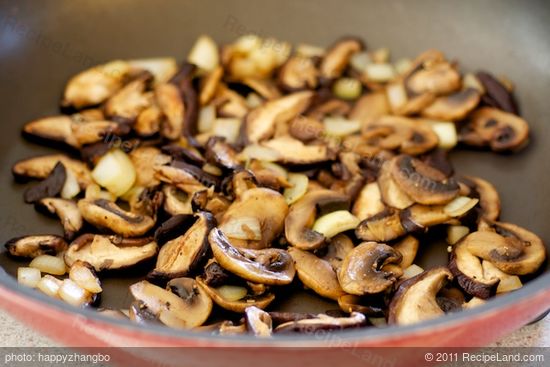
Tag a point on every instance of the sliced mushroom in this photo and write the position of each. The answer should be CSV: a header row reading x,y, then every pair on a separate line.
x,y
51,186
127,104
229,103
323,322
370,305
363,272
257,216
183,306
316,274
489,200
302,214
171,104
406,135
239,305
433,74
144,160
184,254
140,314
267,266
221,153
110,252
185,176
36,245
384,226
258,322
176,201
67,211
338,56
404,103
390,192
263,87
408,248
422,183
40,167
298,73
497,95
369,108
415,300
108,215
209,85
306,128
260,123
453,107
499,130
294,152
337,249
95,85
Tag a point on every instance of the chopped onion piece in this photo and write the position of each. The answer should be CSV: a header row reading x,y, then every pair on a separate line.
x,y
204,54
162,68
306,50
232,293
507,282
278,169
243,228
456,233
253,100
49,285
207,115
71,188
336,222
49,264
229,128
339,126
115,172
85,278
446,133
347,88
360,60
402,66
411,271
298,189
28,276
93,191
460,206
471,81
381,55
73,294
380,73
397,95
378,321
260,152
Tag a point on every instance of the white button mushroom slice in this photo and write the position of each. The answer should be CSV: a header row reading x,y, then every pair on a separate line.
x,y
258,322
36,245
68,213
369,202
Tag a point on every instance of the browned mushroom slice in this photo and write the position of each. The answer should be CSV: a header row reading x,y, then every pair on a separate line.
x,y
40,167
95,85
255,218
298,73
323,322
171,104
404,103
422,183
294,152
67,211
267,266
36,245
489,200
369,108
258,322
106,214
176,201
337,57
499,130
434,75
370,305
209,85
316,274
406,135
185,176
368,202
269,175
183,306
131,100
337,249
302,214
389,191
140,314
408,248
306,128
144,160
384,226
263,87
221,153
110,252
148,121
51,186
453,107
363,272
497,95
415,300
182,255
236,305
260,122
230,103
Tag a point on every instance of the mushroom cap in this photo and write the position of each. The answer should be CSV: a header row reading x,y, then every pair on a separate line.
x,y
362,270
415,300
453,107
36,245
323,322
338,56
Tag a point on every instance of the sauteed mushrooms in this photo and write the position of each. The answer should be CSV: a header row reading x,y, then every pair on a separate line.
x,y
250,162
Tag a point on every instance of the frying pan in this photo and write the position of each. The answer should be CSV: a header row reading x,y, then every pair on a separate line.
x,y
42,44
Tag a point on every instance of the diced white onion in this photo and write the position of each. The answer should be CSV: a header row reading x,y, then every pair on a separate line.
x,y
339,126
380,55
507,282
336,222
49,285
456,233
204,54
85,278
71,188
412,271
360,60
207,115
162,68
93,191
72,293
471,81
397,95
309,50
260,152
232,293
28,276
460,206
49,264
347,88
229,128
446,133
115,172
380,72
403,65
298,189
